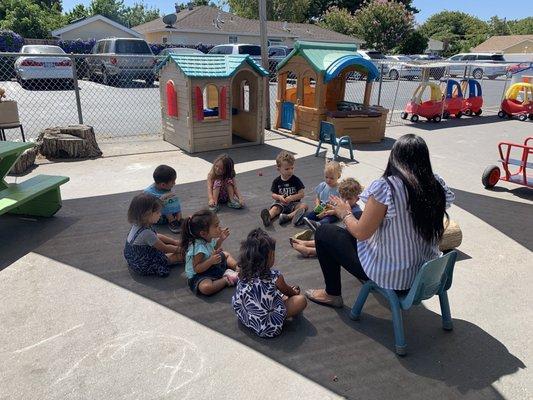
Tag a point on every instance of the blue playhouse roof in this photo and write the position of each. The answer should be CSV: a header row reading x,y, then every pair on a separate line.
x,y
211,65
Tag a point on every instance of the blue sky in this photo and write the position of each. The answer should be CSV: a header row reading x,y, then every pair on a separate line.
x,y
483,9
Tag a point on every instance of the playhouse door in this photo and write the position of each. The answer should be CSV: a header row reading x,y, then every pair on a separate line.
x,y
287,115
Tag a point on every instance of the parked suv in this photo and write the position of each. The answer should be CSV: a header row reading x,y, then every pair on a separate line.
x,y
252,50
275,55
458,63
377,58
114,67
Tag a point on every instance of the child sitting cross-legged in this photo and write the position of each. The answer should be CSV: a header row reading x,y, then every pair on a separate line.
x,y
349,190
262,299
222,185
146,251
287,192
164,180
208,268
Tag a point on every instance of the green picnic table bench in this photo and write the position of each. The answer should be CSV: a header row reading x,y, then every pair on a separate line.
x,y
38,196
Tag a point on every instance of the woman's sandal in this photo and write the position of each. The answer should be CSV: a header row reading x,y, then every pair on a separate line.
x,y
330,301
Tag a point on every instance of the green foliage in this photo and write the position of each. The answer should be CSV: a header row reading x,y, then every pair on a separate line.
x,y
338,20
414,43
320,7
498,26
138,14
79,11
127,16
459,31
521,26
383,24
112,9
29,19
277,10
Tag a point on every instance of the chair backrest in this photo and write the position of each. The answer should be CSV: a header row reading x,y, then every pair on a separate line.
x,y
327,131
434,277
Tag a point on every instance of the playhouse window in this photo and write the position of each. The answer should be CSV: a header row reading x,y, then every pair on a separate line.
x,y
172,100
210,97
245,96
291,87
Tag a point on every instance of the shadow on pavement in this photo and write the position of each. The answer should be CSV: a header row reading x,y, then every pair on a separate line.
x,y
456,122
353,359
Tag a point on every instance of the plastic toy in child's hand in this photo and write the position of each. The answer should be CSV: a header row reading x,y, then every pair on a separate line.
x,y
319,208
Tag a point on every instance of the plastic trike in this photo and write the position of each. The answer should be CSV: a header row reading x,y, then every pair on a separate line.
x,y
513,105
492,174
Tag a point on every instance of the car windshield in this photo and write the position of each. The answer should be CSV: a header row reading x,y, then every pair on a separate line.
x,y
375,55
132,47
43,50
251,50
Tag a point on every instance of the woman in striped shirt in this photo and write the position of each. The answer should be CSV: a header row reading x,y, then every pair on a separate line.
x,y
399,230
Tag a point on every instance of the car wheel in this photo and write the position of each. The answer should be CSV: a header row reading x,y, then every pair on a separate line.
x,y
501,114
478,73
393,74
478,112
445,115
403,115
468,112
459,114
437,118
530,116
414,118
107,79
522,117
490,176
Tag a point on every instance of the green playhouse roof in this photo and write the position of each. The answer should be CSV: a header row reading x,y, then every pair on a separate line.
x,y
328,58
211,65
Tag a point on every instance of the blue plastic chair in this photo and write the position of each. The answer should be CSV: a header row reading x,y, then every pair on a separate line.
x,y
434,278
327,135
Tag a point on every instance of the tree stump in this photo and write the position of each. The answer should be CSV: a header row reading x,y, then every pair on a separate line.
x,y
452,237
25,161
73,141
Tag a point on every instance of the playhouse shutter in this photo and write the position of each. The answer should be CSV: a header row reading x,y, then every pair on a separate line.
x,y
222,103
199,104
172,100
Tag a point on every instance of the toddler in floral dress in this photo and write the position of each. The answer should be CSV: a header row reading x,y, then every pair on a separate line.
x,y
262,299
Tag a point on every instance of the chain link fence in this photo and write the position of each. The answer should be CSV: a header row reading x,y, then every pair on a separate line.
x,y
119,95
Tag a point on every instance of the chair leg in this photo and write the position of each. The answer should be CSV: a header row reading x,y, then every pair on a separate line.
x,y
355,314
318,147
351,151
22,133
2,135
397,323
447,323
336,151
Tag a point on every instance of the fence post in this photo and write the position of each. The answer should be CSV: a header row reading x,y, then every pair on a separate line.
x,y
395,93
76,89
380,83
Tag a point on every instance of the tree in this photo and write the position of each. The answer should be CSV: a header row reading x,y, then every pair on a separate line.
x,y
78,12
459,31
382,24
498,27
277,10
112,9
414,43
138,14
318,8
28,19
338,20
521,26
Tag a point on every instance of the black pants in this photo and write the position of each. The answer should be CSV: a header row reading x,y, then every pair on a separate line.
x,y
336,247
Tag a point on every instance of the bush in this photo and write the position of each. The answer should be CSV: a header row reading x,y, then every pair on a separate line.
x,y
77,46
158,47
10,41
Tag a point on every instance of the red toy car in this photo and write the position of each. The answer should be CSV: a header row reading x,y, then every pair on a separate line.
x,y
492,174
518,101
474,101
430,109
453,103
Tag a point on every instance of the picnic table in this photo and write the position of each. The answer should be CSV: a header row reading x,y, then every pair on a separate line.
x,y
38,196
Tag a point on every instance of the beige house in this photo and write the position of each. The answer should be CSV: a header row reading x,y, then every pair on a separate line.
x,y
95,27
210,25
510,44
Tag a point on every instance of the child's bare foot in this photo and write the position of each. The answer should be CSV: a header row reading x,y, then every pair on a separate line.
x,y
304,250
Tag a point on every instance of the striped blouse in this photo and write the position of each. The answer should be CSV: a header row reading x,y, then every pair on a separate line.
x,y
392,256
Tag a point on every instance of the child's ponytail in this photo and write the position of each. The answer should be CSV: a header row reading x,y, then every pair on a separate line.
x,y
193,225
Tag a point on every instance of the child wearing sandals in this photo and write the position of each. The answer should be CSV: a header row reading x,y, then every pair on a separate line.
x,y
262,299
222,185
146,251
330,187
287,192
208,268
349,190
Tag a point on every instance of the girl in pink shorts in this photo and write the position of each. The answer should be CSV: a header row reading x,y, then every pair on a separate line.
x,y
222,185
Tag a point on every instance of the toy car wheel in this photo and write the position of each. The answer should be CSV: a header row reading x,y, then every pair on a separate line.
x,y
459,114
468,112
414,118
522,117
530,116
445,115
478,112
501,114
490,176
403,115
509,116
437,118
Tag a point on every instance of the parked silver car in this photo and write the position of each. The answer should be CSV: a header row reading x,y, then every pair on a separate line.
x,y
252,50
377,58
460,62
113,67
32,67
400,68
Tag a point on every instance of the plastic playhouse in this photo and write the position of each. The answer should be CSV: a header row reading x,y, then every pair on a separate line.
x,y
518,101
312,86
472,97
512,154
211,102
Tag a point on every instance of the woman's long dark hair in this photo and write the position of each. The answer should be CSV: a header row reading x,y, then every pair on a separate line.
x,y
254,255
196,223
426,200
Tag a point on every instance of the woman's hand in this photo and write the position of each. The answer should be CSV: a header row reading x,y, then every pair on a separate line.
x,y
340,207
